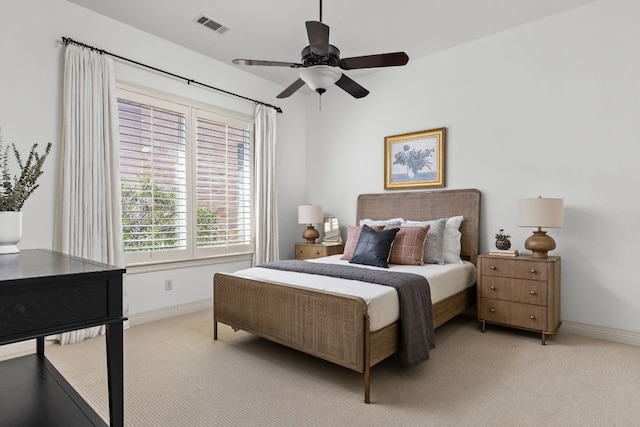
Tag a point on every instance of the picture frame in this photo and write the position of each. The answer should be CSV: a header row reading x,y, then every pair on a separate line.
x,y
415,160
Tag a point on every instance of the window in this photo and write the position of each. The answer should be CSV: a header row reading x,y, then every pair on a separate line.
x,y
186,175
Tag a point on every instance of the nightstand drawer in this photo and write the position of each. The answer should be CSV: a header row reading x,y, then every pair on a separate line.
x,y
308,251
317,250
530,270
527,316
519,290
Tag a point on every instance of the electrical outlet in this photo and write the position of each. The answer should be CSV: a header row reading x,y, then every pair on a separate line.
x,y
168,285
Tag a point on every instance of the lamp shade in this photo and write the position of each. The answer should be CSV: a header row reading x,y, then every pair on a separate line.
x,y
320,77
540,212
310,214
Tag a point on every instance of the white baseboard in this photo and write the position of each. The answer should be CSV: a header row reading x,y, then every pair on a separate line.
x,y
601,332
167,312
583,329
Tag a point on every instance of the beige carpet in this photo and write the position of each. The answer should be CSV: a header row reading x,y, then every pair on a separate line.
x,y
176,375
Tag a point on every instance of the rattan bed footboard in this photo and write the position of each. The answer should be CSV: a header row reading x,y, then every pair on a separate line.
x,y
322,324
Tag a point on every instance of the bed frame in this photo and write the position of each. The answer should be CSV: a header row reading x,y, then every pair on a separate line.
x,y
332,326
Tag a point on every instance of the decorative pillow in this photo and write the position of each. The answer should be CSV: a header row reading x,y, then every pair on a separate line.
x,y
451,240
374,246
353,234
408,246
382,222
434,242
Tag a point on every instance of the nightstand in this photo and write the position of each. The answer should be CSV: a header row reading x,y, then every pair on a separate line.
x,y
521,292
317,250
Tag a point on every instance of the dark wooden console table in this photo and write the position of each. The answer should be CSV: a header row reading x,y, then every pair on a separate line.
x,y
44,293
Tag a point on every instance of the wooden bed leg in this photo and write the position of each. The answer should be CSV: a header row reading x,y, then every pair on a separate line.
x,y
367,384
367,360
215,330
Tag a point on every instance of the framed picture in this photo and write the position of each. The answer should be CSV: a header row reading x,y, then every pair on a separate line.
x,y
414,160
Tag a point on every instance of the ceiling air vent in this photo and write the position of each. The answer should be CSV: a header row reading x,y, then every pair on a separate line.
x,y
213,25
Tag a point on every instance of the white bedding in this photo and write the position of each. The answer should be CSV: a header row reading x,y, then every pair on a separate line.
x,y
382,301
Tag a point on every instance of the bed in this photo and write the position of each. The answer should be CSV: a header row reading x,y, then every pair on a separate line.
x,y
334,326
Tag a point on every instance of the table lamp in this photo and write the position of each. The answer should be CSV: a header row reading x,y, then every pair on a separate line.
x,y
540,212
310,214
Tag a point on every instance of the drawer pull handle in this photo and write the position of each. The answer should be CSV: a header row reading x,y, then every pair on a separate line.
x,y
493,288
317,252
533,271
532,292
493,267
492,310
532,317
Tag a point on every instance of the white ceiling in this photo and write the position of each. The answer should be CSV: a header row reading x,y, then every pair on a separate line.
x,y
275,29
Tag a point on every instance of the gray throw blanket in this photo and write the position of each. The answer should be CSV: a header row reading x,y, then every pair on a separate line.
x,y
416,317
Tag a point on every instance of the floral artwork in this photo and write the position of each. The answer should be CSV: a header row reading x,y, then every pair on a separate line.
x,y
415,160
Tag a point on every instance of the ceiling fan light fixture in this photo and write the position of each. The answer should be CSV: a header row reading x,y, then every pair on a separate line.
x,y
320,77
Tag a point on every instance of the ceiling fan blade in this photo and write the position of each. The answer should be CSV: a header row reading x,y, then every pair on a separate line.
x,y
351,87
291,89
371,61
267,63
318,38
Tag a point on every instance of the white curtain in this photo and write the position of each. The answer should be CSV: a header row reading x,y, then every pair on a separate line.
x,y
89,223
265,188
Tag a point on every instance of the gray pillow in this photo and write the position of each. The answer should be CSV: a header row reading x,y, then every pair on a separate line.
x,y
433,253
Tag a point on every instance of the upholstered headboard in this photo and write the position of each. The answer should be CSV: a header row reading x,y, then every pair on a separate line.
x,y
427,205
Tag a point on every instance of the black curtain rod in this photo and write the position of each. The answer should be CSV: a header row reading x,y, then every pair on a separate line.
x,y
67,40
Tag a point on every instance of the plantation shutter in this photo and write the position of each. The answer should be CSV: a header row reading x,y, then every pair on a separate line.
x,y
223,183
186,178
153,176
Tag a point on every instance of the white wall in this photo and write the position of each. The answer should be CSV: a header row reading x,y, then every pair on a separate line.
x,y
545,109
31,67
550,109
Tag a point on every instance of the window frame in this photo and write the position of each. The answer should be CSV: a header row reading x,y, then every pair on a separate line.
x,y
193,109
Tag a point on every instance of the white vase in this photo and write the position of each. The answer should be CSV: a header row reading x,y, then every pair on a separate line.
x,y
10,231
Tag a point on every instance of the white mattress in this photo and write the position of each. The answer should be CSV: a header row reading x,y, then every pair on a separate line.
x,y
382,301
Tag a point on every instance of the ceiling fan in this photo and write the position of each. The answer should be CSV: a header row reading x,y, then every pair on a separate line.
x,y
321,63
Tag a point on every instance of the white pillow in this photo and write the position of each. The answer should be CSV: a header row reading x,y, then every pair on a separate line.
x,y
451,240
382,222
435,239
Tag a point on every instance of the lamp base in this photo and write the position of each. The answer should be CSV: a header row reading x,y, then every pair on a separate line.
x,y
310,234
540,244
